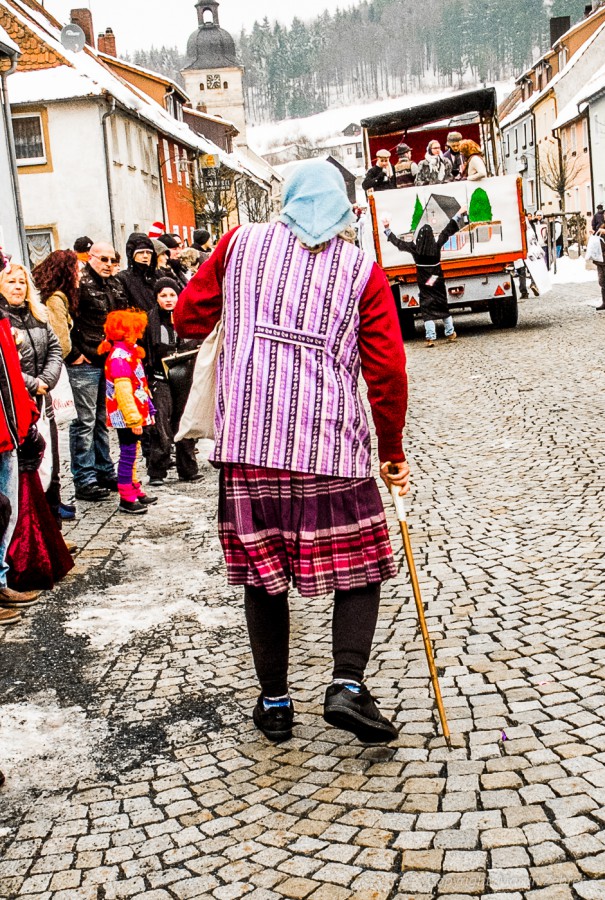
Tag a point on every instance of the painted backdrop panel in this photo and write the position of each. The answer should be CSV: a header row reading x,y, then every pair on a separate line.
x,y
493,211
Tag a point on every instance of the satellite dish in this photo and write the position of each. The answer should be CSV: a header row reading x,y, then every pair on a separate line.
x,y
73,38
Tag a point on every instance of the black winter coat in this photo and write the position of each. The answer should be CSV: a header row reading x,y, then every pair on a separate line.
x,y
138,280
98,297
38,347
378,180
433,297
161,340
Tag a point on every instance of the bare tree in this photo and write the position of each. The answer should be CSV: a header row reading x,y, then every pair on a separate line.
x,y
214,198
559,172
254,201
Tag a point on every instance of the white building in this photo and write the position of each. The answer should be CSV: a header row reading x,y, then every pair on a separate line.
x,y
520,151
11,237
214,80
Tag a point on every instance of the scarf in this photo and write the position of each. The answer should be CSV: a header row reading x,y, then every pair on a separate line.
x,y
315,205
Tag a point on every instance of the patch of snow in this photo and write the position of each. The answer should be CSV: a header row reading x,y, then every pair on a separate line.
x,y
45,747
572,271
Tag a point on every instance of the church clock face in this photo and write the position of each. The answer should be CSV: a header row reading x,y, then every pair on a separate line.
x,y
213,82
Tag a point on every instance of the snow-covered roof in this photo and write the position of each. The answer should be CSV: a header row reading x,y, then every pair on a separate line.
x,y
115,60
340,141
258,167
7,45
570,112
85,75
522,109
211,117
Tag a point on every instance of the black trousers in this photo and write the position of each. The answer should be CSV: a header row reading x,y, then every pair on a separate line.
x,y
161,436
353,625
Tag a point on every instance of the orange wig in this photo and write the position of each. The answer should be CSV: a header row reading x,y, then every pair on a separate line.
x,y
126,325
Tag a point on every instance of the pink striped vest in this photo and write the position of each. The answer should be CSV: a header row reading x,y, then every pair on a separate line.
x,y
287,377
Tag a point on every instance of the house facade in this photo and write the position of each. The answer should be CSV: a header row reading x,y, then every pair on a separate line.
x,y
12,238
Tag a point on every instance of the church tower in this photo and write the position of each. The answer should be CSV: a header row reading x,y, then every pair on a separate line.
x,y
213,77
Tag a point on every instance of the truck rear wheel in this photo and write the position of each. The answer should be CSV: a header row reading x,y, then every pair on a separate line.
x,y
504,313
407,323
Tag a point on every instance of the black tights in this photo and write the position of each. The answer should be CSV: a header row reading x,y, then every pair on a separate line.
x,y
353,626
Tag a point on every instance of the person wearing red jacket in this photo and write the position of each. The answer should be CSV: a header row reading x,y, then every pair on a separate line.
x,y
304,313
18,412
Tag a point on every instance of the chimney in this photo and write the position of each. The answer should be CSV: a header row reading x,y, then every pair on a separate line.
x,y
107,43
83,18
558,27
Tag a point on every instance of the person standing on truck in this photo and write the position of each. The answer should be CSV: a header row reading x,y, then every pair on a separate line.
x,y
406,169
380,177
452,153
434,168
426,252
473,162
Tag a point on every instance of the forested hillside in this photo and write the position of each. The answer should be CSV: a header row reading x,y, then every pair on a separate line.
x,y
382,48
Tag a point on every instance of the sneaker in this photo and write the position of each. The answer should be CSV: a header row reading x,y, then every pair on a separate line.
x,y
428,343
10,599
357,712
67,512
93,493
108,484
276,722
132,507
157,482
146,500
197,477
452,337
535,290
9,616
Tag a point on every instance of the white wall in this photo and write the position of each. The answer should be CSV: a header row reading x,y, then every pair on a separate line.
x,y
515,136
597,138
227,103
9,234
73,198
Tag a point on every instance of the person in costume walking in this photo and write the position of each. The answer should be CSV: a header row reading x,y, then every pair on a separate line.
x,y
129,407
303,312
426,252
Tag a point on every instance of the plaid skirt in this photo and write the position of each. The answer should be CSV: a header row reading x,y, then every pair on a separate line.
x,y
319,532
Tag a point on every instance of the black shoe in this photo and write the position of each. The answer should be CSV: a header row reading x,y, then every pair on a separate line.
x,y
157,482
133,508
601,307
197,477
109,484
92,492
276,722
2,779
524,296
357,712
146,500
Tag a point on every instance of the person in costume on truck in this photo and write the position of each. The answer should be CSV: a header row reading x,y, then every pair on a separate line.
x,y
426,252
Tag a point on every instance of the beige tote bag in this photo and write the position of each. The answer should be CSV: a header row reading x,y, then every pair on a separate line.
x,y
197,420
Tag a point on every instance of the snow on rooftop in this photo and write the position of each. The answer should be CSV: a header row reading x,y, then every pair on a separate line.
x,y
7,42
571,111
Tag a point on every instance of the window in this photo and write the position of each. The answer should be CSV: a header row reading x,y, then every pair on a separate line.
x,y
524,144
202,86
573,134
576,199
225,85
531,132
178,165
29,140
564,142
128,133
508,143
39,245
115,142
588,196
585,140
349,151
167,160
516,140
531,190
175,230
185,166
213,82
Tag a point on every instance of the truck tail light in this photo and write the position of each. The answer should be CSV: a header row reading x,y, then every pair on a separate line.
x,y
456,291
506,285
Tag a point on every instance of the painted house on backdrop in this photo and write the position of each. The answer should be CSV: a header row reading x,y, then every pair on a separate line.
x,y
533,144
11,236
109,181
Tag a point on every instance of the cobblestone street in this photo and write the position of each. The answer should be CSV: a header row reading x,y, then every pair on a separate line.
x,y
133,767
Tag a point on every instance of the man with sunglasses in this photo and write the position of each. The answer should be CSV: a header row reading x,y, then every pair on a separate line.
x,y
100,293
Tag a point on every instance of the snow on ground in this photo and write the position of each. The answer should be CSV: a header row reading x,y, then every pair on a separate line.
x,y
572,271
331,122
47,747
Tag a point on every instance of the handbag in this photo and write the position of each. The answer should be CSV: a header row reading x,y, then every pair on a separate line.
x,y
62,397
594,249
178,359
197,420
46,466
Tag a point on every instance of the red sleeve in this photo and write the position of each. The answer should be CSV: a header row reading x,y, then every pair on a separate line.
x,y
383,365
200,305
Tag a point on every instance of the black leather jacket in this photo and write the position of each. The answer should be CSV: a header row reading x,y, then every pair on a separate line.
x,y
98,297
38,347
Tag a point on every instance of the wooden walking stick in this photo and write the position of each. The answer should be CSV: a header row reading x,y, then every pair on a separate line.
x,y
407,546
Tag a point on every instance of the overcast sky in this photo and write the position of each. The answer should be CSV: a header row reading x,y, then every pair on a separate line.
x,y
143,23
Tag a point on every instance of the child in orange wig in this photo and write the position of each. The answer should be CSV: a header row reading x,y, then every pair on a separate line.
x,y
129,406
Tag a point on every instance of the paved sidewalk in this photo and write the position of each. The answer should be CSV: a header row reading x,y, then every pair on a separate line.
x,y
133,768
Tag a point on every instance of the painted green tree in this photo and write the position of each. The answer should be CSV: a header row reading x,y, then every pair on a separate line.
x,y
418,211
480,209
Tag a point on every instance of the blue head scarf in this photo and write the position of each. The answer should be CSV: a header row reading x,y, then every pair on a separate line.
x,y
315,205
